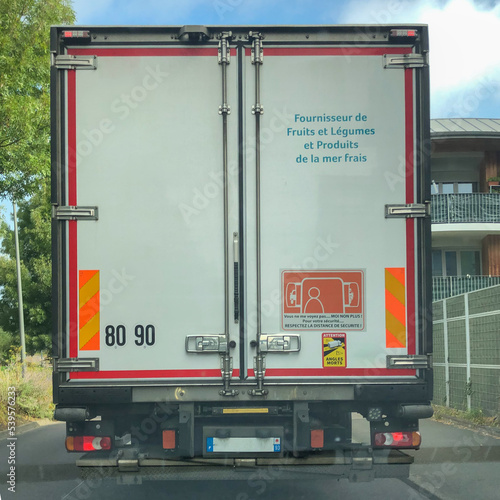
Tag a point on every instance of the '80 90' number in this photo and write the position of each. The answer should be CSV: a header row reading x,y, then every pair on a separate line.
x,y
117,335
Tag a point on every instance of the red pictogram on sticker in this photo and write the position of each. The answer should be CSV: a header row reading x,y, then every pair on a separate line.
x,y
322,292
323,299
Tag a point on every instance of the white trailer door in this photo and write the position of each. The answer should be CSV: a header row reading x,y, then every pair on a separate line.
x,y
330,280
149,281
240,245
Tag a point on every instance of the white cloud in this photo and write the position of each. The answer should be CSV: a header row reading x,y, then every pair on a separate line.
x,y
464,34
464,42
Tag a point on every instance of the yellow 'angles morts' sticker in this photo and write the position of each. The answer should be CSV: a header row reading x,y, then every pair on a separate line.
x,y
334,350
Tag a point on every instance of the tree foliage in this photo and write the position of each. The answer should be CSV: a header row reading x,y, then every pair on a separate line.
x,y
34,217
25,162
24,91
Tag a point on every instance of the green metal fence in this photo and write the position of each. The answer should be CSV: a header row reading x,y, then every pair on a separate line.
x,y
467,351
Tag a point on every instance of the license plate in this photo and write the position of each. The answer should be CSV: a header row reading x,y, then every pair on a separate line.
x,y
243,445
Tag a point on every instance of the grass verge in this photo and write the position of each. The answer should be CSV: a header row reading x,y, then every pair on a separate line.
x,y
33,392
475,417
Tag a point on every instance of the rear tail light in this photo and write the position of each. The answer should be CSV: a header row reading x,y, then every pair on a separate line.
x,y
88,443
403,33
76,34
406,439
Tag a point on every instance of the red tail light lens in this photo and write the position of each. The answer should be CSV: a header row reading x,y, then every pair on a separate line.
x,y
406,439
88,443
404,33
76,34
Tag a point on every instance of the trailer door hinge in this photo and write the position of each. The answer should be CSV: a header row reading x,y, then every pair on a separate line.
x,y
410,362
75,213
404,61
74,62
257,54
408,210
224,53
76,365
226,368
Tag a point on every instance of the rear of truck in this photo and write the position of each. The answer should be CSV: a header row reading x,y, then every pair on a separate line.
x,y
241,247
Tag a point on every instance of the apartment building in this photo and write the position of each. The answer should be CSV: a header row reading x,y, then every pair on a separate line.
x,y
465,165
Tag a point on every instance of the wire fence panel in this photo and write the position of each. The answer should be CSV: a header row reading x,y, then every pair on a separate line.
x,y
467,351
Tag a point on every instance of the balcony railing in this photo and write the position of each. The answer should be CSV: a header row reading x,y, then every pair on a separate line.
x,y
448,286
470,207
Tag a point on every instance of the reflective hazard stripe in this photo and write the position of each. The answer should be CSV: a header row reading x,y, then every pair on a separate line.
x,y
89,306
395,307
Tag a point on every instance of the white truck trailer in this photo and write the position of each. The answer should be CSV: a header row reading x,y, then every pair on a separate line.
x,y
241,246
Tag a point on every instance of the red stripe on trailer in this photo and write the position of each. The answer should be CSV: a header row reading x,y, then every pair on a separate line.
x,y
337,372
149,52
72,225
109,374
410,223
331,51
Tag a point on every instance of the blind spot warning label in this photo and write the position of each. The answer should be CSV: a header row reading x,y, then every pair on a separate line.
x,y
323,300
334,350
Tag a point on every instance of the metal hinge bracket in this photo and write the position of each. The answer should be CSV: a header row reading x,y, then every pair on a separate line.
x,y
75,62
257,109
411,362
408,210
206,344
279,343
257,55
226,368
403,61
224,55
259,368
76,365
75,213
224,109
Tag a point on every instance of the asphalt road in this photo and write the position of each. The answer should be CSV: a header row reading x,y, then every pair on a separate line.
x,y
453,464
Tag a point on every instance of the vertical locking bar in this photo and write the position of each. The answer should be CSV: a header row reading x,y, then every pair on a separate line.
x,y
258,110
236,259
225,110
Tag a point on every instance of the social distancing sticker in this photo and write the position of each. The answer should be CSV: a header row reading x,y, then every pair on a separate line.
x,y
334,350
323,300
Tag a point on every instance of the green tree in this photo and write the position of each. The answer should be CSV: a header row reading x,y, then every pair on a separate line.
x,y
25,161
24,91
34,217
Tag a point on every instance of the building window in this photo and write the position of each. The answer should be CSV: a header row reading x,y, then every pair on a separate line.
x,y
456,262
470,262
437,263
454,187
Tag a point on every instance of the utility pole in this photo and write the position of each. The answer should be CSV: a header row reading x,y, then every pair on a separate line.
x,y
19,294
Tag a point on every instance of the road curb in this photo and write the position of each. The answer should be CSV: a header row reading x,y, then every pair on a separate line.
x,y
21,429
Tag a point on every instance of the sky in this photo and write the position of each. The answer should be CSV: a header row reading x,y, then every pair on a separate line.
x,y
464,34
